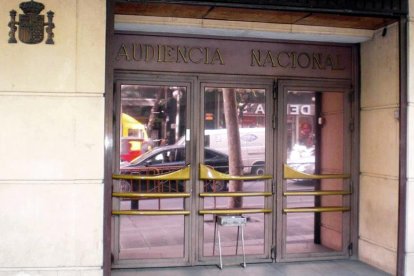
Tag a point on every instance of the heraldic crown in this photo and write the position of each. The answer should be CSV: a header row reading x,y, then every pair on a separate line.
x,y
31,24
31,7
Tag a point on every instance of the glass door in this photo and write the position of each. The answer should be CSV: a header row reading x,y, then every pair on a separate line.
x,y
230,170
151,187
315,200
234,179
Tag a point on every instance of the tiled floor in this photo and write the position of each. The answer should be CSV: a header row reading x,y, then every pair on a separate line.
x,y
335,268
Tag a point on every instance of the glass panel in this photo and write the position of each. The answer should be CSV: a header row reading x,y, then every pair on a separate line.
x,y
152,121
301,135
148,237
304,236
315,145
234,123
234,120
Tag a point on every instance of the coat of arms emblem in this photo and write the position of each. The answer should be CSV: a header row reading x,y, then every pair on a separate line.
x,y
31,24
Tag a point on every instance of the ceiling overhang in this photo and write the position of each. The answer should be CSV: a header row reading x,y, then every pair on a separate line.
x,y
217,18
237,29
380,8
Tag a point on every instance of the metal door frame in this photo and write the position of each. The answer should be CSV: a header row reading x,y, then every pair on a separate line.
x,y
139,78
350,155
233,81
195,101
275,143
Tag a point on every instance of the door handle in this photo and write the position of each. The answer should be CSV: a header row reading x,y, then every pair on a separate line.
x,y
290,173
208,173
182,174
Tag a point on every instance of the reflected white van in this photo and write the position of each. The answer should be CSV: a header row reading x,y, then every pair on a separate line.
x,y
252,142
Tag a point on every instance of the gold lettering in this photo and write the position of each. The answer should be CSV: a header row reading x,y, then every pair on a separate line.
x,y
293,59
206,56
160,53
307,60
191,55
329,62
317,60
170,54
255,57
183,53
134,51
268,58
122,52
217,57
278,59
149,55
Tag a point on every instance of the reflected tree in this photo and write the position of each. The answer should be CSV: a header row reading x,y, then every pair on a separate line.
x,y
233,138
154,110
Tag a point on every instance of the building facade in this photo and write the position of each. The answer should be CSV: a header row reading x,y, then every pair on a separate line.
x,y
325,90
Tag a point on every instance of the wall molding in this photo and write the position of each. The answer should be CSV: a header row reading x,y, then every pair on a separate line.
x,y
52,94
380,176
51,182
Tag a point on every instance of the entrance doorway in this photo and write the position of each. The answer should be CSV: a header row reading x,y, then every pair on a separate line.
x,y
195,148
316,159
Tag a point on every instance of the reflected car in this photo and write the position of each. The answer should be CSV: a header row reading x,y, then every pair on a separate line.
x,y
171,158
174,155
302,159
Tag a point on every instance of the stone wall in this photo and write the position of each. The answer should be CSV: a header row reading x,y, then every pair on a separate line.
x,y
52,144
378,215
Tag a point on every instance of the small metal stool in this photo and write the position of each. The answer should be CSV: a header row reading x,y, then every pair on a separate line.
x,y
227,221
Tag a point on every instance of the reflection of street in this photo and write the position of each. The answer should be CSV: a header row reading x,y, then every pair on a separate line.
x,y
163,236
145,237
300,201
300,226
